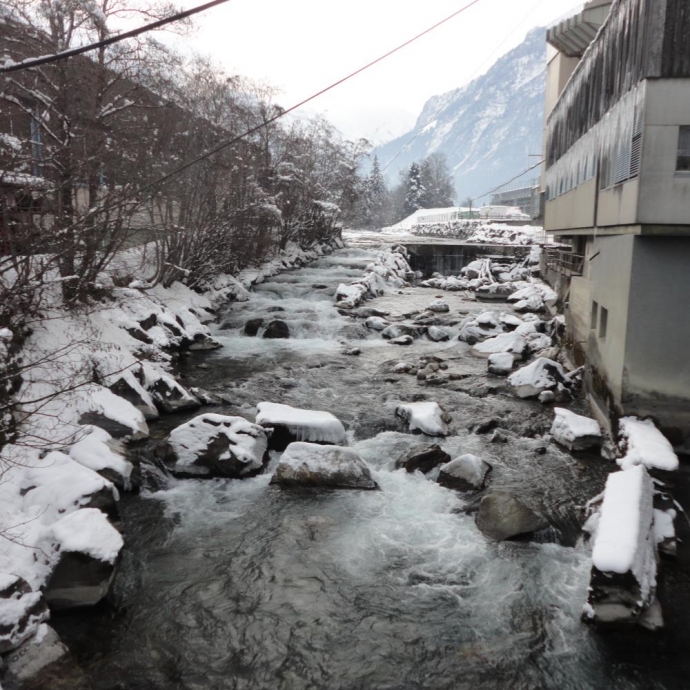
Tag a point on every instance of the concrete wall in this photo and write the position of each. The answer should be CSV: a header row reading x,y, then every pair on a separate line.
x,y
618,205
657,355
574,209
664,193
607,281
558,71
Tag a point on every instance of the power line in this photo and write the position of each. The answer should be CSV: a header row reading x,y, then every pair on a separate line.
x,y
452,93
283,113
518,176
37,62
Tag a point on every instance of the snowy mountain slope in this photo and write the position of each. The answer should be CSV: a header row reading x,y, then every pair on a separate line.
x,y
486,129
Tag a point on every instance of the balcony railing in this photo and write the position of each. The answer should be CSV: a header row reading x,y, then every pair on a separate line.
x,y
567,263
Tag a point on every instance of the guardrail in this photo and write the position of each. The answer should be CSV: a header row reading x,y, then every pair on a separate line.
x,y
566,263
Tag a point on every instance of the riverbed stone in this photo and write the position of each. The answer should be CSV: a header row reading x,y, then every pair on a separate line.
x,y
502,516
251,328
170,396
203,341
314,465
423,458
276,329
402,340
36,654
466,473
437,334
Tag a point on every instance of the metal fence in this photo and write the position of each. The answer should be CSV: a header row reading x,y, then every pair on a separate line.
x,y
563,262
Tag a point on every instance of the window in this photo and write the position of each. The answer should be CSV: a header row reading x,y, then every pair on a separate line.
x,y
683,160
603,322
595,315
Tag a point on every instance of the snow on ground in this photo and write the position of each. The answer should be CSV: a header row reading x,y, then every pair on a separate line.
x,y
625,538
305,425
644,444
427,417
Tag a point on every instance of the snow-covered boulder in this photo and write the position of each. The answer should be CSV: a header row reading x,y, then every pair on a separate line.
x,y
168,394
58,485
203,341
291,424
495,292
540,375
102,408
366,312
376,323
502,516
402,340
126,385
349,296
643,444
422,458
100,453
536,342
574,431
214,445
311,464
440,306
501,363
466,473
506,342
21,611
437,334
623,579
87,547
427,417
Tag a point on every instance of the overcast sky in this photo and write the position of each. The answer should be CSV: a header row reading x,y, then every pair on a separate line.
x,y
301,46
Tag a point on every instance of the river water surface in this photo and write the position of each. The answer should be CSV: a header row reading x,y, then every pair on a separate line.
x,y
240,585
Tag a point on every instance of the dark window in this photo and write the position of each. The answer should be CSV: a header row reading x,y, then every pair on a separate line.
x,y
603,322
683,161
595,314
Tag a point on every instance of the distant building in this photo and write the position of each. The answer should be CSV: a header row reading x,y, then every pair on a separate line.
x,y
617,189
522,195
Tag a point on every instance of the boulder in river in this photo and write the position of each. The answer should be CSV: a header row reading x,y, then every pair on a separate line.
x,y
427,417
314,465
501,363
624,557
170,396
538,376
466,473
402,340
502,516
35,654
87,546
574,431
203,341
214,445
439,306
437,334
276,329
251,328
291,424
422,458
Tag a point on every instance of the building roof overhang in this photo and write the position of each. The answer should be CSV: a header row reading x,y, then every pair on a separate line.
x,y
572,36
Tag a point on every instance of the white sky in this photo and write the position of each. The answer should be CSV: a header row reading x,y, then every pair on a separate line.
x,y
301,46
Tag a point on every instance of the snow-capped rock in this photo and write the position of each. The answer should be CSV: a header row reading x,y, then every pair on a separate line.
x,y
501,363
291,424
623,579
574,431
21,611
311,464
643,444
427,417
506,342
86,547
466,473
502,516
540,375
214,445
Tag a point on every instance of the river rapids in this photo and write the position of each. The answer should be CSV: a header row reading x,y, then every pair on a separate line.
x,y
238,585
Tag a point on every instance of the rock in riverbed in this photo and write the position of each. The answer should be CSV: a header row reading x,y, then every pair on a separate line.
x,y
466,473
422,458
276,329
314,465
501,516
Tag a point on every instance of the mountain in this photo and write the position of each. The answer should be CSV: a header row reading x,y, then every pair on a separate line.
x,y
486,129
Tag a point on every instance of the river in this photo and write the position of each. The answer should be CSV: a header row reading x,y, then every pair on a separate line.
x,y
240,585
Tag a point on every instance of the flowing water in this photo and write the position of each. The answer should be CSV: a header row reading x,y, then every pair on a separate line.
x,y
240,585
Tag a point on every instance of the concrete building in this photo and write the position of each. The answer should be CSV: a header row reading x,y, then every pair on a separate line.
x,y
617,189
522,195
